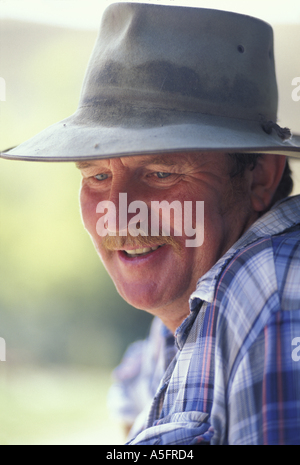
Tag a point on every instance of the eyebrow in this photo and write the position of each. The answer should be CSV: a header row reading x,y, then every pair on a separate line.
x,y
81,165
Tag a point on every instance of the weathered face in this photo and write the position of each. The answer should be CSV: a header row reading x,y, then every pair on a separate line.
x,y
153,273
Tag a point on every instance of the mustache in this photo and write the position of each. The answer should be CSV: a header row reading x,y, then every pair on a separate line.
x,y
139,242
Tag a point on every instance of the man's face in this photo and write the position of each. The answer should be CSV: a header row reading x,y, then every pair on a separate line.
x,y
160,280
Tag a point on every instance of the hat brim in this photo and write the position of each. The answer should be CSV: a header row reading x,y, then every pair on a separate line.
x,y
75,138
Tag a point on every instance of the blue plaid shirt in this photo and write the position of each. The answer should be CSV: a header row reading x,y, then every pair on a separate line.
x,y
235,378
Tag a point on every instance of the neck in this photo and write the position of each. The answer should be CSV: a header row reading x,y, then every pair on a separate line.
x,y
173,315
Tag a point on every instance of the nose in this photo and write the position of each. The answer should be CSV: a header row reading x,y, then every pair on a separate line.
x,y
116,217
126,213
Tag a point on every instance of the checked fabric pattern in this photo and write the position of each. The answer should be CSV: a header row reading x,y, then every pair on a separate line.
x,y
233,379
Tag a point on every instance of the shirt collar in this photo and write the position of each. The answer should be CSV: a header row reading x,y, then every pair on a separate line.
x,y
283,216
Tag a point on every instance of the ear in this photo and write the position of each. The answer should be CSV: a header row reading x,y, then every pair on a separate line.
x,y
266,177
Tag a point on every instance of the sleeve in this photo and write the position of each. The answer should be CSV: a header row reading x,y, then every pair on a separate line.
x,y
124,401
137,377
262,406
182,431
257,367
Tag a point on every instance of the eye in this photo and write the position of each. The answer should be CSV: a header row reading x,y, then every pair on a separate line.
x,y
101,177
162,175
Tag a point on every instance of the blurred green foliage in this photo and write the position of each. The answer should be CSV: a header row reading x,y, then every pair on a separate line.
x,y
60,315
57,303
56,407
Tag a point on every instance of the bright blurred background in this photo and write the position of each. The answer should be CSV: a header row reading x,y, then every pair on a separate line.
x,y
64,324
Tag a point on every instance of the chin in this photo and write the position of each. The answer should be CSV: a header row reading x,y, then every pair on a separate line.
x,y
151,297
144,299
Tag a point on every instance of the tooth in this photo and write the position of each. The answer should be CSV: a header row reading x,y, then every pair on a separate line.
x,y
143,251
138,251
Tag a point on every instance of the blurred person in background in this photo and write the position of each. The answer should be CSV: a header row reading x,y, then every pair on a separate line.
x,y
179,105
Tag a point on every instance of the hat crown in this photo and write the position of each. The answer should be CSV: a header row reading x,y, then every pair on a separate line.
x,y
171,79
200,60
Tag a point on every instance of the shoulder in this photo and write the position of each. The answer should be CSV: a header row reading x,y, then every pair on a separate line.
x,y
259,281
286,251
267,266
248,280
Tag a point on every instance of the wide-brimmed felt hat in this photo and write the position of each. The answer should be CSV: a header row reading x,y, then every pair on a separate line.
x,y
171,79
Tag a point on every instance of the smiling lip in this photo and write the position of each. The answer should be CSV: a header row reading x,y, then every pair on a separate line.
x,y
132,254
140,252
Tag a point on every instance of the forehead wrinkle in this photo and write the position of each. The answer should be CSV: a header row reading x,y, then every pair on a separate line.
x,y
169,160
81,165
162,159
158,160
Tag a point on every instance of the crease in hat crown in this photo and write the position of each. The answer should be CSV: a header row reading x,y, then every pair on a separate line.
x,y
168,78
